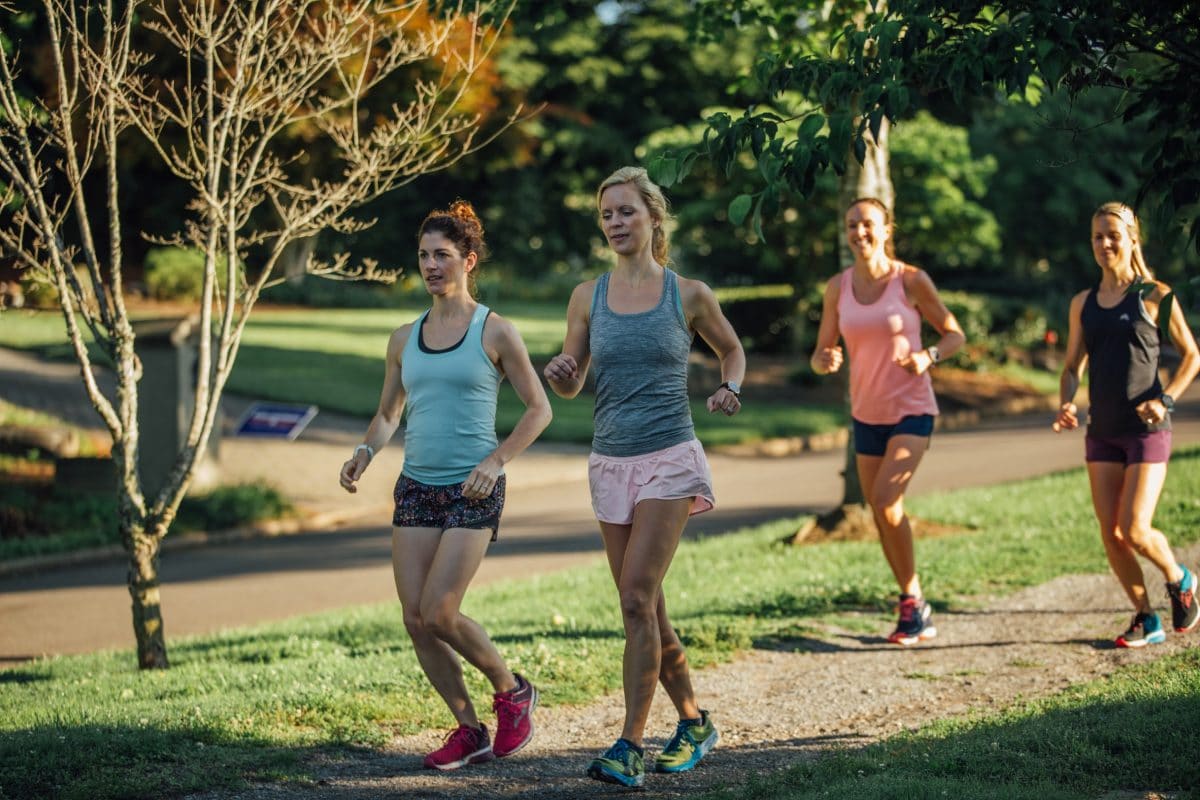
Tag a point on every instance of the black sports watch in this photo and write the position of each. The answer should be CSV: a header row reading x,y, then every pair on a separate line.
x,y
1167,401
734,388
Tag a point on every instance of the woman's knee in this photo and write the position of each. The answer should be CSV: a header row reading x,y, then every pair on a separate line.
x,y
440,619
1137,533
888,509
414,623
638,603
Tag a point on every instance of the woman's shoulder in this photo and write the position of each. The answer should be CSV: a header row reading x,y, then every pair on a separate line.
x,y
693,291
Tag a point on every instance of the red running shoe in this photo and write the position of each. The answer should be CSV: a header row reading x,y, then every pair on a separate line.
x,y
464,745
514,717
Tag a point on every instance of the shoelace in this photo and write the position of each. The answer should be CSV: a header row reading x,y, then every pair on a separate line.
x,y
618,751
681,730
908,610
462,734
507,711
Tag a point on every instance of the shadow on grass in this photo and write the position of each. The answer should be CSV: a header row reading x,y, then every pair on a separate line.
x,y
1078,747
108,761
1128,732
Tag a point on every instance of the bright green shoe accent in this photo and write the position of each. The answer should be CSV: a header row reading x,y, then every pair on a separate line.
x,y
689,744
619,764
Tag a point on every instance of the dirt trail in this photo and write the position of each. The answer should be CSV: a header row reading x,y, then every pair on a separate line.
x,y
774,707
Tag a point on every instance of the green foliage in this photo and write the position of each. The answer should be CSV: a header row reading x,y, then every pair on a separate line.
x,y
177,273
969,51
941,218
42,520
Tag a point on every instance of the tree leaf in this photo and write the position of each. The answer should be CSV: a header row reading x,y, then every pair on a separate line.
x,y
739,207
663,170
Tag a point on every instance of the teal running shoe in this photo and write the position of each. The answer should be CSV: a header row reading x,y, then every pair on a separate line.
x,y
620,764
1145,629
690,743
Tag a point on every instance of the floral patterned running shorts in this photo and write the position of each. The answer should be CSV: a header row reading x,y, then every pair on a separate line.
x,y
419,505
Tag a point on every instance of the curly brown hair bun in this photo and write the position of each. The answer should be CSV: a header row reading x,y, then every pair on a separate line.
x,y
460,224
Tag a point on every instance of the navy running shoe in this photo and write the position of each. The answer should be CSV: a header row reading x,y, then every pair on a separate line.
x,y
916,622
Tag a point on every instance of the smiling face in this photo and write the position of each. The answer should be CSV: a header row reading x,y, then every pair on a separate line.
x,y
867,231
1112,243
443,267
626,220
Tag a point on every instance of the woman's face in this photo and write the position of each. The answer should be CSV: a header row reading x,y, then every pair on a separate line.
x,y
625,219
443,267
866,230
1112,244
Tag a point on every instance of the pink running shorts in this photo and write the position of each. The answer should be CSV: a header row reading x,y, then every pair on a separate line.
x,y
619,483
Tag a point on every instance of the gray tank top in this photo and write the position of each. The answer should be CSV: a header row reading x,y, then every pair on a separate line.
x,y
640,361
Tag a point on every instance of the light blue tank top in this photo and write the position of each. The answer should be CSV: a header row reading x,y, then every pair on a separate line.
x,y
640,361
451,406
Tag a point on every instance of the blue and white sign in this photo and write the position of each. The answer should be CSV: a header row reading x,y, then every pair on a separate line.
x,y
275,419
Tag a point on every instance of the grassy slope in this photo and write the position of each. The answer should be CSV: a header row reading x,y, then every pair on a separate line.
x,y
255,702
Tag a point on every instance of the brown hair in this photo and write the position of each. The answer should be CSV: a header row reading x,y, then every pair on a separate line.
x,y
1134,229
656,202
460,224
887,219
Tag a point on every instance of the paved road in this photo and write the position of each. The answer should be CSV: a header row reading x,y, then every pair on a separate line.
x,y
547,526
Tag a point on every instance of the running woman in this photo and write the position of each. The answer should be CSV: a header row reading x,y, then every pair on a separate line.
x,y
876,306
447,367
1114,334
647,471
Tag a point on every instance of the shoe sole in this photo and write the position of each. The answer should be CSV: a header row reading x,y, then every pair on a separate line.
x,y
601,774
930,632
478,757
1136,644
532,705
702,750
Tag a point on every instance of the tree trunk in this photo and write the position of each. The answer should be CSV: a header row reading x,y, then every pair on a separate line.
x,y
869,179
147,606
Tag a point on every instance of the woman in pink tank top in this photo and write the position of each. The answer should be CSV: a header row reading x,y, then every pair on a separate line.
x,y
876,306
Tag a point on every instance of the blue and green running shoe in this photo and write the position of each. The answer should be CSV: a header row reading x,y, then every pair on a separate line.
x,y
1145,629
690,743
621,764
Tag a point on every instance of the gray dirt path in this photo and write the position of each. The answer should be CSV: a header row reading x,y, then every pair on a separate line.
x,y
775,707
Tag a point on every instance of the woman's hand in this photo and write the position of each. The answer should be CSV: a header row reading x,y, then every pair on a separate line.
x,y
482,480
724,401
915,363
1067,419
1151,412
353,469
561,368
828,360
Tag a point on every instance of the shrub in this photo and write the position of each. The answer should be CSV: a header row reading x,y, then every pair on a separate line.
x,y
177,273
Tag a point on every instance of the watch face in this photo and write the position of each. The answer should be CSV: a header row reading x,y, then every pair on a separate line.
x,y
733,386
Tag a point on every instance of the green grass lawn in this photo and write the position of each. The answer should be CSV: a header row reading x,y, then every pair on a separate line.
x,y
335,360
254,703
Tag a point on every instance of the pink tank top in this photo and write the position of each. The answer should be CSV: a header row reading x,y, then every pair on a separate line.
x,y
882,393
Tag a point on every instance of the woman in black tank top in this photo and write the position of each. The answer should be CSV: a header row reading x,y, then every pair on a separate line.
x,y
1114,333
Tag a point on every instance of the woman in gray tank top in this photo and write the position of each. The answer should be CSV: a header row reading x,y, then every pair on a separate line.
x,y
647,472
1114,333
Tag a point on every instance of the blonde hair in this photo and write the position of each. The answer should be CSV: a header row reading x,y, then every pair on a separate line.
x,y
656,202
1134,229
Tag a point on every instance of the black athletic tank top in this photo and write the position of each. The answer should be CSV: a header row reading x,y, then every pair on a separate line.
x,y
1123,348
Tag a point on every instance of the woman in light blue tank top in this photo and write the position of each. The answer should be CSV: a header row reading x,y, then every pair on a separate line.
x,y
447,367
647,472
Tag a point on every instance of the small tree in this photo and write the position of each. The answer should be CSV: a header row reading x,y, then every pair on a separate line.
x,y
254,70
